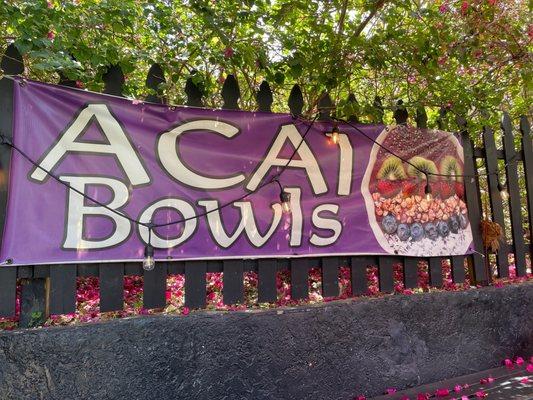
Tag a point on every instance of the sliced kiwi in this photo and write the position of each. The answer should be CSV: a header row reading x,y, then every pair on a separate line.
x,y
450,166
422,165
391,169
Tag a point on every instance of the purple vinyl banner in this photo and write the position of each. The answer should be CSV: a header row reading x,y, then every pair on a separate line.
x,y
210,169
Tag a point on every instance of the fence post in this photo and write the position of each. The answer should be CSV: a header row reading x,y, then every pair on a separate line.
x,y
400,113
325,106
511,170
352,100
421,118
527,151
473,203
194,93
377,106
264,97
491,161
231,93
11,64
154,79
296,101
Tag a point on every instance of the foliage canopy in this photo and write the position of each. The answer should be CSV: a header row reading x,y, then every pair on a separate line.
x,y
472,57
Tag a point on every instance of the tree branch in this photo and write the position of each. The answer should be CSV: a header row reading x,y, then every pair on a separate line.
x,y
364,23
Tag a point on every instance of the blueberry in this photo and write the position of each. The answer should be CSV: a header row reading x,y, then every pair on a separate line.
x,y
463,221
389,224
443,228
453,223
431,231
417,231
403,232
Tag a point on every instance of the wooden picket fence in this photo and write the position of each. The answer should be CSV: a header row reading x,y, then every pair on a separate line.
x,y
52,288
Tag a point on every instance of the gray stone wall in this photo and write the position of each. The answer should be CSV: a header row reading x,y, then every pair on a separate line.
x,y
330,351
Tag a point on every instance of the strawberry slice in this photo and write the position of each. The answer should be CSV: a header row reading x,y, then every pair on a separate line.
x,y
389,188
408,188
460,190
445,189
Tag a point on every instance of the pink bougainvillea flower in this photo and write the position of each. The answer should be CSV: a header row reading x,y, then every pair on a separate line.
x,y
390,391
464,7
185,311
359,398
51,35
519,361
404,398
423,396
484,381
228,53
443,9
525,380
442,392
457,388
529,368
480,394
464,397
508,363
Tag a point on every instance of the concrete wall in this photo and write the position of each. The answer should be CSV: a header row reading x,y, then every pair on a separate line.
x,y
331,351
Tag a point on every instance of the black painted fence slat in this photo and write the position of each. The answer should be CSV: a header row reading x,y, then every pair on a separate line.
x,y
155,286
195,284
133,269
25,272
527,148
511,169
473,203
458,269
266,285
233,289
63,288
299,277
330,276
230,93
111,287
410,272
86,270
41,271
386,273
8,291
491,162
176,267
435,271
11,63
358,273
